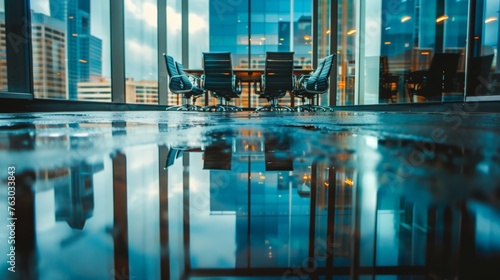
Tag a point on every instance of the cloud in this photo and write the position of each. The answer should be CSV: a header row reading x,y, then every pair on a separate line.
x,y
197,23
144,11
173,21
145,53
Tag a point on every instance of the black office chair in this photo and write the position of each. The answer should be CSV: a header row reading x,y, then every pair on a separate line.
x,y
277,80
218,78
309,86
438,79
183,84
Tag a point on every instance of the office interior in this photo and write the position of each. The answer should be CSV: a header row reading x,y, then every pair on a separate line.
x,y
396,177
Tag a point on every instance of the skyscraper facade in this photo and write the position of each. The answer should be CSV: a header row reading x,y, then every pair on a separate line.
x,y
76,15
49,53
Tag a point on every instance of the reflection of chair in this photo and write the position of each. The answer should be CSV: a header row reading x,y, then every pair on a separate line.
x,y
388,83
310,86
218,157
277,80
172,155
277,154
218,78
181,83
438,79
478,82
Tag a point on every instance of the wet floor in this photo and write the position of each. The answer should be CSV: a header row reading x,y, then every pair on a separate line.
x,y
170,195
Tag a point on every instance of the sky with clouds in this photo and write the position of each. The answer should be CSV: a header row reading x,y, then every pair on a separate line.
x,y
141,27
140,33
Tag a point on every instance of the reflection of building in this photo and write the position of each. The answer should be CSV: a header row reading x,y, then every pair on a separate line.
x,y
75,201
3,54
49,53
136,91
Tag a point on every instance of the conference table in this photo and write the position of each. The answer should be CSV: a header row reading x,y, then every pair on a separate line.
x,y
250,76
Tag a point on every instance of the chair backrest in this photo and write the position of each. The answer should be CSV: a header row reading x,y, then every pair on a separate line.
x,y
278,71
171,67
319,79
442,72
218,72
184,77
177,84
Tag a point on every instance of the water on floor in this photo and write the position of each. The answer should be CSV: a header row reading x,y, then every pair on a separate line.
x,y
157,195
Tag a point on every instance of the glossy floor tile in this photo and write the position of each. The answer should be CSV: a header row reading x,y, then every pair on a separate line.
x,y
171,195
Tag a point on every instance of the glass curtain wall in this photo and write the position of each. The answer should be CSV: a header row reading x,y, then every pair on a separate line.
x,y
386,48
397,42
71,49
141,41
247,29
346,54
483,83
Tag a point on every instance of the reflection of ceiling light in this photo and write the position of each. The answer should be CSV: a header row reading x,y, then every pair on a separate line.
x,y
424,53
307,37
352,31
442,18
263,38
349,182
405,18
388,28
328,31
490,19
387,43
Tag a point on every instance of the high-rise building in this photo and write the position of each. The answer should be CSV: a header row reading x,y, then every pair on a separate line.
x,y
3,55
76,15
95,58
49,53
142,91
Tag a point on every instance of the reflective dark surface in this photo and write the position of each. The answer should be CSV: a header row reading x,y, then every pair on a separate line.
x,y
172,195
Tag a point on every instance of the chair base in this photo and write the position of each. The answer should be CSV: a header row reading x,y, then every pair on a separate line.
x,y
274,108
185,107
221,108
312,108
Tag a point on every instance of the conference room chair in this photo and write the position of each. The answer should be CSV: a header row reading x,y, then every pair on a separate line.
x,y
277,80
218,79
439,78
310,86
187,86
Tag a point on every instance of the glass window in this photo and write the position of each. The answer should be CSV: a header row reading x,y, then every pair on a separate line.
x,y
141,49
483,77
198,32
71,50
409,53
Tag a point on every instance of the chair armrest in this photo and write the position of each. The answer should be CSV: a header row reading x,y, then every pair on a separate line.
x,y
294,82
